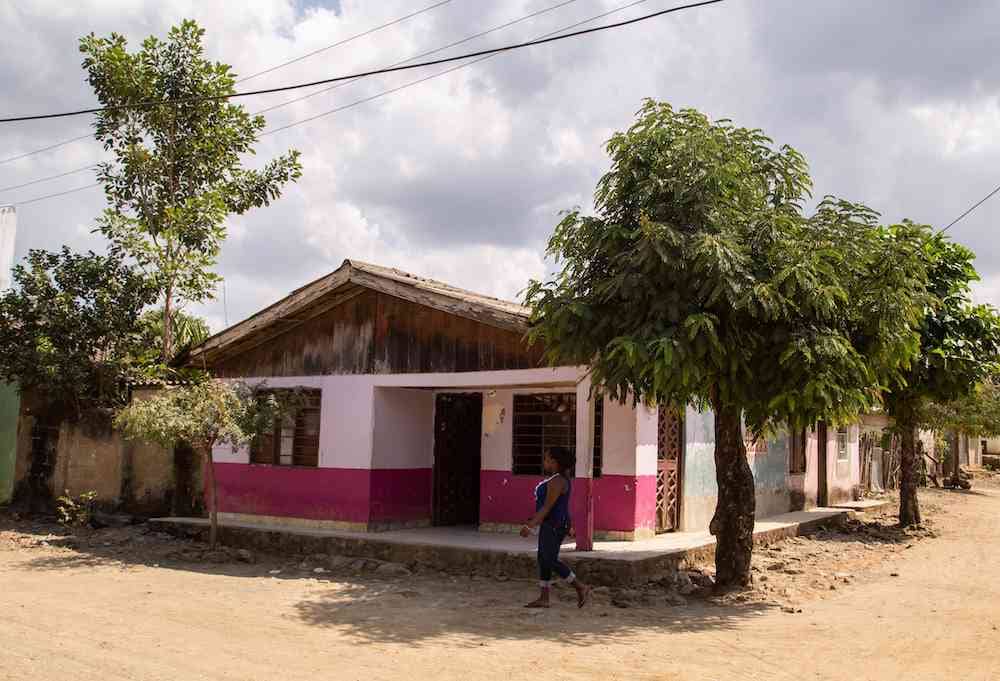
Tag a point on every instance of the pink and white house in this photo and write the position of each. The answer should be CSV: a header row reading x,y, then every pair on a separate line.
x,y
427,407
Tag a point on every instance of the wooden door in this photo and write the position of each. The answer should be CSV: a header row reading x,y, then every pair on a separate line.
x,y
458,422
669,466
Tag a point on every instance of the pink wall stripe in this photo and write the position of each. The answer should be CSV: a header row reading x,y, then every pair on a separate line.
x,y
621,503
344,494
313,493
401,495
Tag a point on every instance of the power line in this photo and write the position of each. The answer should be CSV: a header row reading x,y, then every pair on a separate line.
x,y
375,72
26,154
318,92
430,52
974,206
46,179
52,196
344,41
404,86
378,95
369,31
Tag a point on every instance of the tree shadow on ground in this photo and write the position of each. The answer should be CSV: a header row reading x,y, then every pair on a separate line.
x,y
468,610
474,613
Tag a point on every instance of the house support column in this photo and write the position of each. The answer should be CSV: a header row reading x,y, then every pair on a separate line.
x,y
584,482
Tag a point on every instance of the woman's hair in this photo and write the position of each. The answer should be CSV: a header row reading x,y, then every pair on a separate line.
x,y
564,456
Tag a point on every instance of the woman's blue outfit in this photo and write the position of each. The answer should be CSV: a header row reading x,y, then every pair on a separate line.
x,y
552,531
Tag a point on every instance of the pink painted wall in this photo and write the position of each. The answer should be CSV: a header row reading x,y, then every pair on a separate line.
x,y
314,493
400,495
342,494
621,503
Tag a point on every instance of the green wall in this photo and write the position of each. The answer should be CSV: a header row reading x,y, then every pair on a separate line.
x,y
9,403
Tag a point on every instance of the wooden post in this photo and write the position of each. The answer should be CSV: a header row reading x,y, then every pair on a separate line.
x,y
584,482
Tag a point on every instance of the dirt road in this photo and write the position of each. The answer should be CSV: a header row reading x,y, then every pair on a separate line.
x,y
931,611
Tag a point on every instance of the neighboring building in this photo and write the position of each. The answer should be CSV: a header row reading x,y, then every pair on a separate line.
x,y
427,407
56,455
9,400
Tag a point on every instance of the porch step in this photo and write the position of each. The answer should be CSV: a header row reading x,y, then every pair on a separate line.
x,y
866,505
467,551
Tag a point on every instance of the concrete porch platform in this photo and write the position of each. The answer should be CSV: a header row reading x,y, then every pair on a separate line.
x,y
866,505
468,550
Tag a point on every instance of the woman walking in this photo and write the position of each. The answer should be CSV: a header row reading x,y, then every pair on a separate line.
x,y
552,519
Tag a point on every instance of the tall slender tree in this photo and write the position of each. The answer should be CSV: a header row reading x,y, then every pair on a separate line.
x,y
178,150
700,280
959,348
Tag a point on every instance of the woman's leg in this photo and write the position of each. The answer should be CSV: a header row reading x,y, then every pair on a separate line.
x,y
548,554
563,570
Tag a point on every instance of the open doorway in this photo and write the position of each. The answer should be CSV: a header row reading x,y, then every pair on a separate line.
x,y
822,487
458,427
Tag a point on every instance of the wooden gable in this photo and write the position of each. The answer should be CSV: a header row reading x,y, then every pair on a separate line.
x,y
374,332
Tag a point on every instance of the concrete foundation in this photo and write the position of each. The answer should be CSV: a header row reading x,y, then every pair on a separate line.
x,y
466,550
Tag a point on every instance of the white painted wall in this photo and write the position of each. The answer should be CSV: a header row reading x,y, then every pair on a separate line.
x,y
646,439
498,414
347,414
619,439
404,428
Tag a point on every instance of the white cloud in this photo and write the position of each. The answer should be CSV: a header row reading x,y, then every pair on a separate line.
x,y
462,177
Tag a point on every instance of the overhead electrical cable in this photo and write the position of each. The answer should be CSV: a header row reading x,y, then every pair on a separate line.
x,y
973,207
486,54
343,42
312,94
366,74
346,40
429,52
404,86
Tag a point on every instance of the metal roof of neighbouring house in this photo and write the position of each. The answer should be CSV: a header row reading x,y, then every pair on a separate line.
x,y
343,283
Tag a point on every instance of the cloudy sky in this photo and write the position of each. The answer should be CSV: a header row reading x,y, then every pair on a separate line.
x,y
462,177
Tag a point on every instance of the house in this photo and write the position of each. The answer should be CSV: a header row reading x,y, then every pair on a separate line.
x,y
425,406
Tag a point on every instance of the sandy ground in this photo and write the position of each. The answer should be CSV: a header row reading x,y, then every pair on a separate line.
x,y
866,602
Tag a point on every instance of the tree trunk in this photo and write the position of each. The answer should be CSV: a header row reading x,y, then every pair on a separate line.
x,y
213,502
956,443
909,472
168,327
733,521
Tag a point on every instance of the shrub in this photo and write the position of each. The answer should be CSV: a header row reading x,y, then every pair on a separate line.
x,y
76,511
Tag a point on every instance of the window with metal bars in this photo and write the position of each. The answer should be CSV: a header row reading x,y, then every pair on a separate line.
x,y
842,439
598,437
797,451
294,440
541,421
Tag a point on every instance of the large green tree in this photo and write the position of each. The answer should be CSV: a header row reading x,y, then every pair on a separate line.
x,y
700,280
69,328
178,170
959,348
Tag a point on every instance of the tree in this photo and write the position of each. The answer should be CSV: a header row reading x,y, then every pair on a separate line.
x,y
975,414
204,415
69,328
959,348
177,171
186,331
700,281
